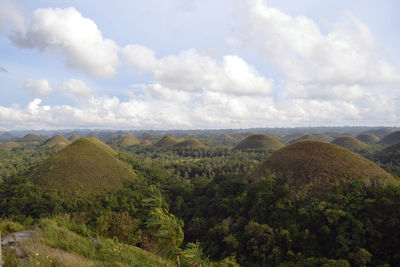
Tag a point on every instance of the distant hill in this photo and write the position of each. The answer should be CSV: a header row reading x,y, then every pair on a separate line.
x,y
390,158
391,138
168,141
31,138
124,140
317,136
73,138
226,139
189,144
57,141
8,146
368,138
146,143
382,132
259,141
314,168
85,167
349,142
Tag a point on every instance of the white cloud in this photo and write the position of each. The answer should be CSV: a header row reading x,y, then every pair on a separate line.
x,y
77,89
348,54
78,38
192,71
38,87
10,16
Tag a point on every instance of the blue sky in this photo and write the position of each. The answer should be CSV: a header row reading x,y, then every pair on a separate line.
x,y
178,64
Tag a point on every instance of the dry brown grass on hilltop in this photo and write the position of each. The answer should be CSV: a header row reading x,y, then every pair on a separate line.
x,y
259,141
349,142
315,167
86,166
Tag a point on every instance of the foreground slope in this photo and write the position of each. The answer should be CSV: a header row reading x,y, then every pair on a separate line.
x,y
259,141
315,167
86,166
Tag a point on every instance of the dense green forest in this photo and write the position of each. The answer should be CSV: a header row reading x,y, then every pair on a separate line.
x,y
203,207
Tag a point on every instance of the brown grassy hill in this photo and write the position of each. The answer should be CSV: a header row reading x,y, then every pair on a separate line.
x,y
368,138
73,138
8,146
57,140
31,138
189,144
259,141
86,166
314,167
391,139
146,143
226,139
349,142
304,137
167,141
126,140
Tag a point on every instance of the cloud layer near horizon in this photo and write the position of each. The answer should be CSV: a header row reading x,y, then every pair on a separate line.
x,y
334,78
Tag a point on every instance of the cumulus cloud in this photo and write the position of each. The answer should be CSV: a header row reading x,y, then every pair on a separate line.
x,y
348,54
77,37
192,71
76,89
200,109
38,87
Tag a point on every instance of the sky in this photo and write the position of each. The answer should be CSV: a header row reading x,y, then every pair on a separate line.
x,y
198,64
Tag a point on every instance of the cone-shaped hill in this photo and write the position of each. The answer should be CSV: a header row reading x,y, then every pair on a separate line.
x,y
368,138
73,138
259,142
189,144
391,138
314,168
57,141
146,143
167,141
87,166
380,132
8,146
226,139
390,157
349,142
31,138
126,140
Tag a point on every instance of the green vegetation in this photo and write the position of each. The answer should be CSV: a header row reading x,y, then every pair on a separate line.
x,y
310,203
349,142
391,138
382,132
314,168
86,166
259,142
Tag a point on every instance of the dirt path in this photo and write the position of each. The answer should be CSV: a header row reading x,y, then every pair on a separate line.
x,y
12,241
